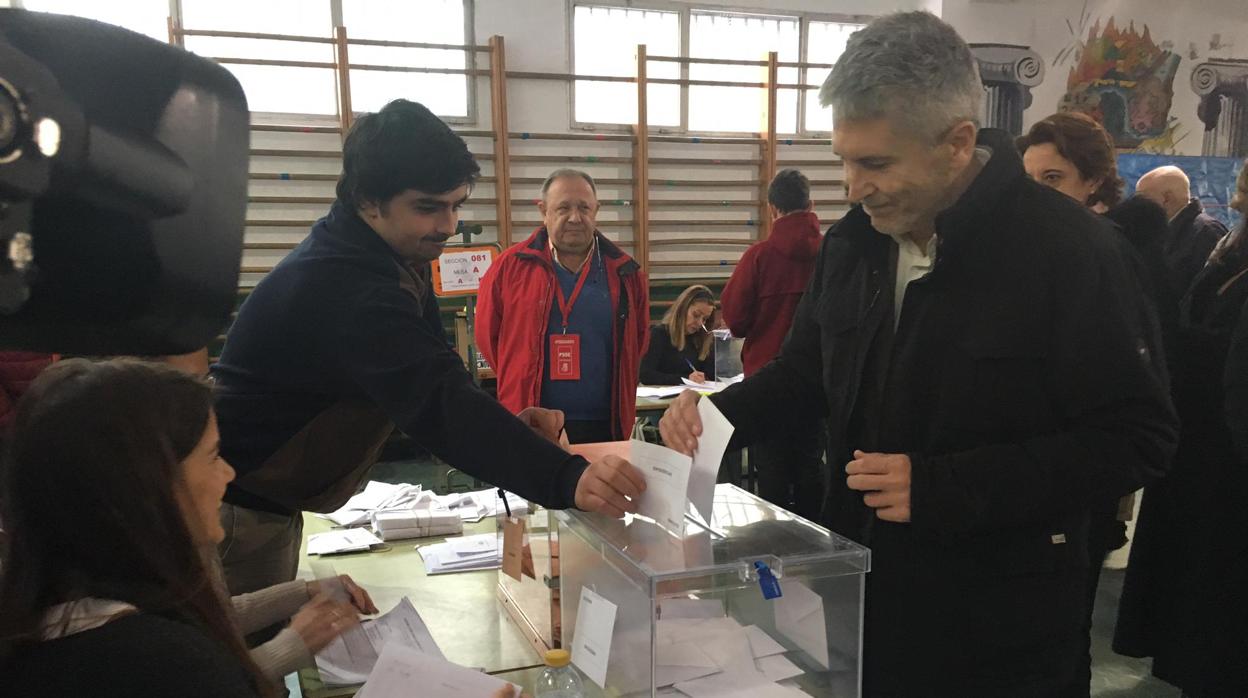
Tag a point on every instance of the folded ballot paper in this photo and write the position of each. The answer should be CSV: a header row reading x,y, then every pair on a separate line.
x,y
400,669
350,540
479,552
350,658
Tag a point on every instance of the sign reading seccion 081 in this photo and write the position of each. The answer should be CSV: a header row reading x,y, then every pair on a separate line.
x,y
459,270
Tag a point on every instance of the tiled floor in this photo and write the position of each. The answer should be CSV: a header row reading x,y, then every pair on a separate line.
x,y
1113,676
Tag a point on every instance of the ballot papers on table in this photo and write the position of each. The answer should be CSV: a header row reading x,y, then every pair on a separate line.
x,y
712,386
350,658
465,554
377,496
401,669
659,392
474,506
420,522
349,540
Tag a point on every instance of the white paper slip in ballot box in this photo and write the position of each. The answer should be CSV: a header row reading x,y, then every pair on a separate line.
x,y
591,643
667,482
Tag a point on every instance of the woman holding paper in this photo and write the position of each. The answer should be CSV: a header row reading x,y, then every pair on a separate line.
x,y
110,497
681,346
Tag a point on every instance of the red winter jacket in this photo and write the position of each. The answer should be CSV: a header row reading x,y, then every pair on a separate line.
x,y
17,370
513,310
762,294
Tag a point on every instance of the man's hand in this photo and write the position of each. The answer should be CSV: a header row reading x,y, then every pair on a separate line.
x,y
885,478
357,595
697,377
611,486
321,620
681,425
547,423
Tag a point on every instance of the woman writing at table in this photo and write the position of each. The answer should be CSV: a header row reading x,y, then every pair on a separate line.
x,y
681,346
110,497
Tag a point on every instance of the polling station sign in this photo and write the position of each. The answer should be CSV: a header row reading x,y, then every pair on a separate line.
x,y
459,270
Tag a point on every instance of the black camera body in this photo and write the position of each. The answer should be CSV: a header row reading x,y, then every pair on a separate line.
x,y
123,190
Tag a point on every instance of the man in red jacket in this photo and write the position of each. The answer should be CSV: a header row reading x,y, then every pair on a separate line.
x,y
758,304
563,317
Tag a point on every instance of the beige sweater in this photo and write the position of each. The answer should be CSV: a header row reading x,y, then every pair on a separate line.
x,y
285,652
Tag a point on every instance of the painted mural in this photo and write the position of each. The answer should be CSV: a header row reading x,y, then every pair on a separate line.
x,y
1124,80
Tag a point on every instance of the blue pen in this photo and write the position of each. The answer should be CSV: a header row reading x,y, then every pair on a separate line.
x,y
690,365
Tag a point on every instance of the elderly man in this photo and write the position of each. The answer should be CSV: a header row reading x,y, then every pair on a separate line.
x,y
977,343
563,317
1192,234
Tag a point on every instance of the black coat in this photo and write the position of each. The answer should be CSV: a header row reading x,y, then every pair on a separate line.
x,y
1185,596
1189,240
1020,383
664,364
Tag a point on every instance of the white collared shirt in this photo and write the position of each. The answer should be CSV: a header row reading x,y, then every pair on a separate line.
x,y
913,262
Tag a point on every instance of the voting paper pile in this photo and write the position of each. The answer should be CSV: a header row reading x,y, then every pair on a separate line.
x,y
399,511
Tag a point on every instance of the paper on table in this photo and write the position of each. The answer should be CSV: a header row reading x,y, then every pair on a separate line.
x,y
591,641
345,541
716,432
350,658
659,391
477,552
799,617
667,480
400,668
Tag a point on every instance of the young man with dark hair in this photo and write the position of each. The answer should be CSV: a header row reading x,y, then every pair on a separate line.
x,y
341,343
758,304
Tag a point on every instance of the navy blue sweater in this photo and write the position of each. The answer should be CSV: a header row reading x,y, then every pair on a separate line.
x,y
342,317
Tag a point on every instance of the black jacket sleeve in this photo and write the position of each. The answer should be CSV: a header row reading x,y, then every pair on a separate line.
x,y
1118,430
659,355
387,351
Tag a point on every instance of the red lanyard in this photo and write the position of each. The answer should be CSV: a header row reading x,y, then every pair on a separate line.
x,y
565,304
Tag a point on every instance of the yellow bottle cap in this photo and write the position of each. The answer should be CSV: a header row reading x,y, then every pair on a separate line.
x,y
558,658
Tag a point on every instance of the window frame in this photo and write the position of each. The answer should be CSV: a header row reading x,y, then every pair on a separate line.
x,y
336,15
686,11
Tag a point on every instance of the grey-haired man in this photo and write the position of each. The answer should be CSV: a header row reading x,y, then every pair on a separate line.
x,y
978,345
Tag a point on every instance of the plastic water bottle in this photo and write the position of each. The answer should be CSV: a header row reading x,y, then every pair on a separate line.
x,y
559,679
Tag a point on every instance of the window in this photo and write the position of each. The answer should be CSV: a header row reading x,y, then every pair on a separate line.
x,y
740,37
148,17
825,42
269,88
605,42
428,21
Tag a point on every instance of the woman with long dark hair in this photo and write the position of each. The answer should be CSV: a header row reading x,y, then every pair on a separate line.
x,y
110,499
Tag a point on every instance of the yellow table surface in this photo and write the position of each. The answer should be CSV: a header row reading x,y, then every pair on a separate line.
x,y
460,609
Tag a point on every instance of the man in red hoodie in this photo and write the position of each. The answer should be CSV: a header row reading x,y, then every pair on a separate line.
x,y
758,304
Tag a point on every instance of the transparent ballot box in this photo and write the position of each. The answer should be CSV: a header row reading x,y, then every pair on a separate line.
x,y
533,600
727,355
698,614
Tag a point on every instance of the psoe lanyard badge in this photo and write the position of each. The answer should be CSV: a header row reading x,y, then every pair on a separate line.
x,y
565,349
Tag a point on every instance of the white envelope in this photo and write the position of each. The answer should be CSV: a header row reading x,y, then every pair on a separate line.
x,y
777,667
682,661
799,617
761,643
